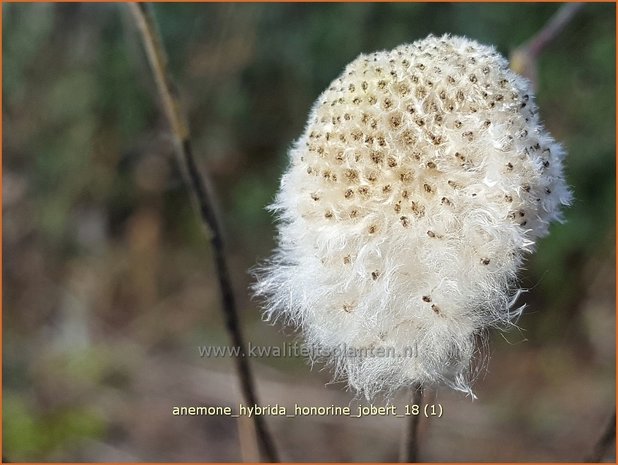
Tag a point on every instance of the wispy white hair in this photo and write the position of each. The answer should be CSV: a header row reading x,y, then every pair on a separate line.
x,y
422,179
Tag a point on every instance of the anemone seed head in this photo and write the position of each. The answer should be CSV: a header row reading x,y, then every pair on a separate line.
x,y
422,179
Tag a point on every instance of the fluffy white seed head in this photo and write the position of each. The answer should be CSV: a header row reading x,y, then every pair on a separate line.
x,y
422,179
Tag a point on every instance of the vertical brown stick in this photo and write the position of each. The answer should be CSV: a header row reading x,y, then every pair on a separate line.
x,y
410,447
180,131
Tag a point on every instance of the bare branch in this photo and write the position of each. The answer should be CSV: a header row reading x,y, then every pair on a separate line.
x,y
180,131
410,445
524,58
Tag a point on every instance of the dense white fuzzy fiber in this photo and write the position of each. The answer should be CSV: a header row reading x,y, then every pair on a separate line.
x,y
422,179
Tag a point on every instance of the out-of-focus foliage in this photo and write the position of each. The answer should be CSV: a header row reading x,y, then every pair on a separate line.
x,y
108,284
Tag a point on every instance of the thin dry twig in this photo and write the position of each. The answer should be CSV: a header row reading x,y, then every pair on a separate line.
x,y
608,436
524,58
410,446
180,131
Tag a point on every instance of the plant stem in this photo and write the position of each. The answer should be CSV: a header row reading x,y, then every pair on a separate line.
x,y
180,130
553,28
409,451
524,58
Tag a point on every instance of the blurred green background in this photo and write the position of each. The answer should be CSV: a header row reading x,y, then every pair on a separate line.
x,y
108,283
